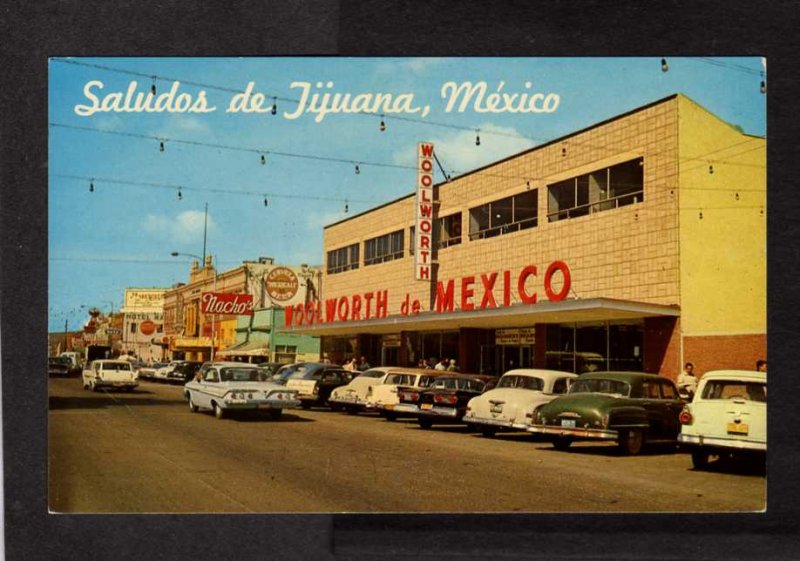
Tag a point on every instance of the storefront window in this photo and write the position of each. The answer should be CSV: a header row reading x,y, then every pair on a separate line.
x,y
590,347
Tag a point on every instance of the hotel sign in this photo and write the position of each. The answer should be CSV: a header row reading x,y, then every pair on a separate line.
x,y
423,212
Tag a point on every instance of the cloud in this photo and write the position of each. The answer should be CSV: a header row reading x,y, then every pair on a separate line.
x,y
458,153
186,227
417,66
178,125
108,122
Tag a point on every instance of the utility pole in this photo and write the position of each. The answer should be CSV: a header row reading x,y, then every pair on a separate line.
x,y
205,230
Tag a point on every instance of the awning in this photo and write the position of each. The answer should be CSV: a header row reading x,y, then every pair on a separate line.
x,y
518,315
248,348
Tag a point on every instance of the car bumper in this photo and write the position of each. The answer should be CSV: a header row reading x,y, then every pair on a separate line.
x,y
576,432
717,442
351,403
260,404
440,412
502,423
108,384
406,408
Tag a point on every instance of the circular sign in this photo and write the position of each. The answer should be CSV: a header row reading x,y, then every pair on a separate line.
x,y
147,327
281,284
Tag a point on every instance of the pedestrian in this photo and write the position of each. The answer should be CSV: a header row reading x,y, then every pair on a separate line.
x,y
364,365
442,364
452,366
422,363
761,365
350,365
687,383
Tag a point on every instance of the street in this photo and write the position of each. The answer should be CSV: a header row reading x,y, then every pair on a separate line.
x,y
146,452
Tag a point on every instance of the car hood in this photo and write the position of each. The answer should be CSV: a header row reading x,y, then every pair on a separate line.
x,y
583,403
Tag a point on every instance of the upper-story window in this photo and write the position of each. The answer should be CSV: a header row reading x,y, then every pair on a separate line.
x,y
447,231
504,216
343,259
383,248
604,189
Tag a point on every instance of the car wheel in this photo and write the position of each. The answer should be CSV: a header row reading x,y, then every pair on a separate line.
x,y
305,404
192,407
275,414
335,407
700,459
390,416
219,412
488,432
631,441
351,410
425,423
562,443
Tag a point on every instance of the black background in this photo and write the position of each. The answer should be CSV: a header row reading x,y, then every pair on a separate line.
x,y
32,32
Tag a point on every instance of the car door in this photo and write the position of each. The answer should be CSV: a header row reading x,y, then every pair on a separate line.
x,y
655,407
673,405
208,382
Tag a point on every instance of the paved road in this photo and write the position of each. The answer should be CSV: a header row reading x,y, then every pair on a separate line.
x,y
146,452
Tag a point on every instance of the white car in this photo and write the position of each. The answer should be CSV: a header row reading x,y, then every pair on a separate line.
x,y
237,386
384,396
109,374
161,374
354,396
728,415
518,392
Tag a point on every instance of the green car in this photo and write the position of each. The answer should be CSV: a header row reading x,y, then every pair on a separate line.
x,y
627,407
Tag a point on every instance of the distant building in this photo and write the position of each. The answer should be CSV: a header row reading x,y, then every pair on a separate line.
x,y
143,323
250,324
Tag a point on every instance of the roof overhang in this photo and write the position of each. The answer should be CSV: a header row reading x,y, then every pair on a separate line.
x,y
518,315
248,348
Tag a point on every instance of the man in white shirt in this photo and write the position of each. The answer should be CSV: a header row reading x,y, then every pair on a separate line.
x,y
687,383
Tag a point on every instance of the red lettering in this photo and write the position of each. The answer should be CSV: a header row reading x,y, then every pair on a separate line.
x,y
548,278
343,308
425,211
444,297
427,150
310,312
424,194
381,304
415,307
424,272
466,293
424,255
425,241
330,310
368,297
506,288
426,180
425,226
426,165
523,276
288,316
488,287
300,314
355,313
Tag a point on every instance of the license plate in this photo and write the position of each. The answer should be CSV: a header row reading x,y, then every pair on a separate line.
x,y
738,428
497,409
568,423
426,406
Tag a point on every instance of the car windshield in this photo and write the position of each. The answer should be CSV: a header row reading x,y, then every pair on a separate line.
x,y
242,375
457,384
116,366
521,382
60,360
600,385
735,389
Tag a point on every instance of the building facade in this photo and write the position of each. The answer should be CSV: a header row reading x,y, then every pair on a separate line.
x,y
194,335
637,243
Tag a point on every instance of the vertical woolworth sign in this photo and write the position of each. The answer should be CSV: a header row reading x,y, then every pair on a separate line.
x,y
423,212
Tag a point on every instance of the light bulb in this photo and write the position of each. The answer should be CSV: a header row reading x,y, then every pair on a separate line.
x,y
274,105
91,186
346,206
383,124
763,86
664,65
710,169
153,87
477,139
358,170
263,159
266,203
161,146
180,195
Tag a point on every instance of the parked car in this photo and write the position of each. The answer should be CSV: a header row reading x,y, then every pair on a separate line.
x,y
161,374
58,366
147,372
354,397
227,387
446,399
516,394
271,367
728,416
282,374
109,374
183,372
384,397
627,407
315,381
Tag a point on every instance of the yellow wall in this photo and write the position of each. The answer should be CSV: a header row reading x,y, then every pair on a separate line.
x,y
723,254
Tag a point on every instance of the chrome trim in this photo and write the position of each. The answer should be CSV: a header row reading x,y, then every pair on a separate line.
x,y
693,440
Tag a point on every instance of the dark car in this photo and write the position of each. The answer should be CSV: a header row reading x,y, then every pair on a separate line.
x,y
446,400
271,367
183,372
59,366
627,407
314,382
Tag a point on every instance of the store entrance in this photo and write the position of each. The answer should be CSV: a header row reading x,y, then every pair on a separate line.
x,y
499,359
390,356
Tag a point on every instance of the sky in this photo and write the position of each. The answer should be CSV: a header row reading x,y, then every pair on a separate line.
x,y
121,234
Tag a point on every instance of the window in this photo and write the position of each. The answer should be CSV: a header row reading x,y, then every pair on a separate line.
x,y
735,389
383,248
133,327
447,231
560,386
504,216
604,189
343,259
668,391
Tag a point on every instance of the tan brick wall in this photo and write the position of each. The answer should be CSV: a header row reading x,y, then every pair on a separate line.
x,y
628,253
